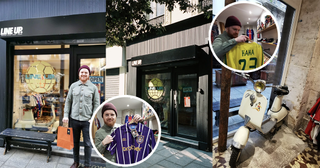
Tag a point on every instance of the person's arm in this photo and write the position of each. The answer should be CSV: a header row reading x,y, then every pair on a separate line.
x,y
67,105
221,48
96,100
101,142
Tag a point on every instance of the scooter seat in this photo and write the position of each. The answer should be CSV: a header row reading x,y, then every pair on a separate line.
x,y
267,125
283,90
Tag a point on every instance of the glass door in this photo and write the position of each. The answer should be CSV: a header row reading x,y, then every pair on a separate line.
x,y
156,88
185,98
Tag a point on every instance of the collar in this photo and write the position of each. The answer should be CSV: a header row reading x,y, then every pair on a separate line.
x,y
138,128
226,34
110,128
86,84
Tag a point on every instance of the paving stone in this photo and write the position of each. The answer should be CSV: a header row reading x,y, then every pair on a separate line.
x,y
155,158
144,164
41,164
168,164
43,157
180,159
7,155
65,161
63,166
156,166
194,165
204,160
167,152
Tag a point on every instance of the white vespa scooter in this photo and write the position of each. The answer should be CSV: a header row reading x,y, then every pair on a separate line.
x,y
252,110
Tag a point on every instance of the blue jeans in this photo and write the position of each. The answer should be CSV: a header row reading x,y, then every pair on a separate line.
x,y
77,126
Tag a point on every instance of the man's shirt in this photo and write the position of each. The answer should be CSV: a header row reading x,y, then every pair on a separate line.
x,y
222,44
129,149
84,99
245,56
100,135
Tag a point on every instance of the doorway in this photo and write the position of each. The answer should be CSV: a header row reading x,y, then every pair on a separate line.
x,y
172,92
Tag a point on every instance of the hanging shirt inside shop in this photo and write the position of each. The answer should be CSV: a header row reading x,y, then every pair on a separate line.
x,y
131,143
250,34
245,56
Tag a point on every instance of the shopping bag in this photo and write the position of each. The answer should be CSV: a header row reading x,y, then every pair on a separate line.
x,y
65,137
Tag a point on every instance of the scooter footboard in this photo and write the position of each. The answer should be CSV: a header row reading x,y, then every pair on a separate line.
x,y
241,137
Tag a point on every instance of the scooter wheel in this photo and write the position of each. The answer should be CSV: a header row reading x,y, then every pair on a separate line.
x,y
235,155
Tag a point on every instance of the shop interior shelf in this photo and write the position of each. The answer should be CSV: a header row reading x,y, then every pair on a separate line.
x,y
267,29
268,43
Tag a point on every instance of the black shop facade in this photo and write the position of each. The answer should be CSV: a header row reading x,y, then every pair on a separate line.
x,y
172,72
40,61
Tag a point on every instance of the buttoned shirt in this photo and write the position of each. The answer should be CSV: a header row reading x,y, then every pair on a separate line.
x,y
129,149
83,99
223,44
100,135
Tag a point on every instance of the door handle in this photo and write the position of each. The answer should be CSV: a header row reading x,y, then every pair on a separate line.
x,y
175,98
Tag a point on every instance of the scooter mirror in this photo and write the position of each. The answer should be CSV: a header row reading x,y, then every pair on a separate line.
x,y
259,86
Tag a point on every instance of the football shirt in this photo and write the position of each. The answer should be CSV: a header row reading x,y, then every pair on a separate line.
x,y
245,56
131,149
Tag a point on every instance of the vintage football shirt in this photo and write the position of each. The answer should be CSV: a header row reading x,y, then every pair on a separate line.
x,y
131,149
245,56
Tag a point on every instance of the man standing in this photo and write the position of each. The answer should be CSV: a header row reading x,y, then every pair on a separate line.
x,y
103,135
83,99
229,38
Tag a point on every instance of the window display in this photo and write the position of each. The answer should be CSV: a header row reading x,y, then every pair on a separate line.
x,y
40,86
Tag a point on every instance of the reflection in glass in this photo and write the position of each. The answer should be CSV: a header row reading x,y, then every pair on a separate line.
x,y
156,91
40,86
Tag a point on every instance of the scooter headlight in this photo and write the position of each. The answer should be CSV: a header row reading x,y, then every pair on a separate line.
x,y
260,86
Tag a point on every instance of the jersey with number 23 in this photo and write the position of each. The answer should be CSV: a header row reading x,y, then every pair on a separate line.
x,y
245,56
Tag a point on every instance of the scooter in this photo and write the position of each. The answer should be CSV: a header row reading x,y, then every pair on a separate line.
x,y
252,110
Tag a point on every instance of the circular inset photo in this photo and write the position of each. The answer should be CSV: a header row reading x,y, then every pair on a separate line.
x,y
244,37
125,130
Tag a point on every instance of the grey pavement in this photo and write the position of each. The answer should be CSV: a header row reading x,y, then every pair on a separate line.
x,y
163,157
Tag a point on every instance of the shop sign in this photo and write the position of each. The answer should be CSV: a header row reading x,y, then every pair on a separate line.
x,y
155,89
40,77
11,31
187,89
136,62
96,79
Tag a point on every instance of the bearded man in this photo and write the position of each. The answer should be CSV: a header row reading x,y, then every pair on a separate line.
x,y
229,38
103,135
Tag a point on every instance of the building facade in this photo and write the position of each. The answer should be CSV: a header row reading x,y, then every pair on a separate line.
x,y
43,43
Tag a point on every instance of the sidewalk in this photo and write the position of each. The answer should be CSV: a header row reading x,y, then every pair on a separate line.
x,y
264,151
164,157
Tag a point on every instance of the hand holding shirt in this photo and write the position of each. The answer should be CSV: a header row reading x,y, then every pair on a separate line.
x,y
128,149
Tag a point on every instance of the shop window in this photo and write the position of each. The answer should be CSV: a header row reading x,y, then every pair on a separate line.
x,y
40,88
36,47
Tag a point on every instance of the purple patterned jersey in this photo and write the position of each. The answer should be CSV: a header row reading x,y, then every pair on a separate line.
x,y
129,149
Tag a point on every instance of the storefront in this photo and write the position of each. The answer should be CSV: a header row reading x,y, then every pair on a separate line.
x,y
174,76
43,56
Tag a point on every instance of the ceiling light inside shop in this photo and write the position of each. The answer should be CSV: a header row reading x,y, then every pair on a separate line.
x,y
247,22
249,18
249,12
128,105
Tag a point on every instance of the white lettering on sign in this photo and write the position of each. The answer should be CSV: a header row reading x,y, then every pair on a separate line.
x,y
11,31
136,63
